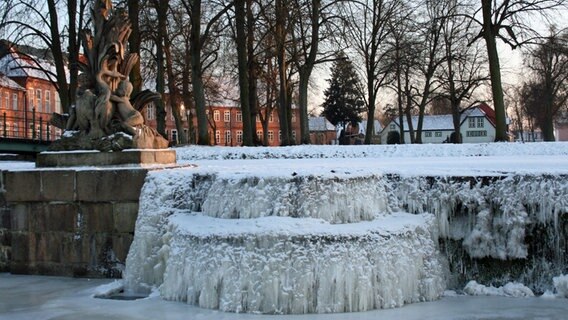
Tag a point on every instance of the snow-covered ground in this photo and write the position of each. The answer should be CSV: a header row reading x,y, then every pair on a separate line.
x,y
40,298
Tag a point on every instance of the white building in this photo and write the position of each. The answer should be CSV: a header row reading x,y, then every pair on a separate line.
x,y
477,125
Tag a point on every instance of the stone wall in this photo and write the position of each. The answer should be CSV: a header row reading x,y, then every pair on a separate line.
x,y
69,222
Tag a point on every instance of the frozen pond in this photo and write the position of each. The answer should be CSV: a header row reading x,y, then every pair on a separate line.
x,y
39,297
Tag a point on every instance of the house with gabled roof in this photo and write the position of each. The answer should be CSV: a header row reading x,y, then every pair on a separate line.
x,y
477,125
322,131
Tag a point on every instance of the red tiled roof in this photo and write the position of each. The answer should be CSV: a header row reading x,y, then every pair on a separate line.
x,y
489,112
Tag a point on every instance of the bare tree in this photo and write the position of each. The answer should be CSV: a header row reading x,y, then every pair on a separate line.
x,y
312,24
547,92
367,34
509,21
464,68
242,58
200,36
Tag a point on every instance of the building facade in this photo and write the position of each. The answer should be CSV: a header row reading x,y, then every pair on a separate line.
x,y
477,125
226,125
28,98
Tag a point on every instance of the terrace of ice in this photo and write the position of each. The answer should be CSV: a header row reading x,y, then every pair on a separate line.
x,y
331,229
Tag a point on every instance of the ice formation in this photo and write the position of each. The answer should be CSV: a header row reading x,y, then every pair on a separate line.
x,y
346,257
516,290
561,286
315,238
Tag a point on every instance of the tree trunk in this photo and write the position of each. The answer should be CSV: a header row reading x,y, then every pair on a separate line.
x,y
252,73
196,43
187,101
134,44
489,34
241,41
58,59
303,91
306,72
164,5
280,36
160,82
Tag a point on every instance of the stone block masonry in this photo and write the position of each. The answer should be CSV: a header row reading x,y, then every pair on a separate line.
x,y
69,222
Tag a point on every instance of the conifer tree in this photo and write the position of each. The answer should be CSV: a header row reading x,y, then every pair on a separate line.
x,y
343,100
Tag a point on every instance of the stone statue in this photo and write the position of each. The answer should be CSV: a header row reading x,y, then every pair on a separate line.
x,y
105,117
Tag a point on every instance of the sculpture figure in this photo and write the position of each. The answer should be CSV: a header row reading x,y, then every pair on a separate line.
x,y
103,103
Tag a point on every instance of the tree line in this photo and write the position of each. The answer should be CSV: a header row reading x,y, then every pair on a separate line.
x,y
420,51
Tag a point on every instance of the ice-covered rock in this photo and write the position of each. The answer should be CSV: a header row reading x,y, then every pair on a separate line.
x,y
561,286
510,289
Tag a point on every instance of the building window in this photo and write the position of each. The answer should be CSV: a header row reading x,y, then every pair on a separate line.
x,y
57,102
279,135
392,127
227,137
258,118
47,101
270,135
239,116
7,98
239,136
14,101
30,98
271,117
293,117
259,134
216,115
227,116
479,133
294,135
428,134
438,134
38,100
480,123
16,130
175,136
217,136
207,113
150,112
471,122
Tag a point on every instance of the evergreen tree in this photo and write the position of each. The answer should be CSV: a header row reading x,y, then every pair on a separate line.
x,y
343,101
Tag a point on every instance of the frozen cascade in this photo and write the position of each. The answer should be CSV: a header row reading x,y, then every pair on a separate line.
x,y
494,229
331,199
280,261
521,220
287,266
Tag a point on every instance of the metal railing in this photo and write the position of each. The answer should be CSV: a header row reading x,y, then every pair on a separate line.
x,y
31,126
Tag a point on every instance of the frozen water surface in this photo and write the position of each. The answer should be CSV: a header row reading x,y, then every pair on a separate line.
x,y
39,297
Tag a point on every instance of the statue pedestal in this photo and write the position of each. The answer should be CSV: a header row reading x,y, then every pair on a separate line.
x,y
97,158
74,214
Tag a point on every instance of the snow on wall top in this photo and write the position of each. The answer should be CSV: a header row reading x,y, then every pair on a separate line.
x,y
204,226
374,151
